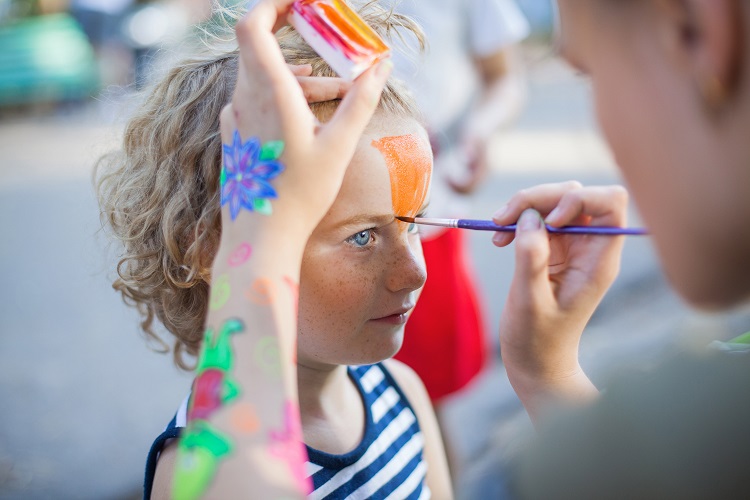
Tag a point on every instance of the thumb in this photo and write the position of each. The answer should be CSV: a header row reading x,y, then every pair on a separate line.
x,y
356,109
532,252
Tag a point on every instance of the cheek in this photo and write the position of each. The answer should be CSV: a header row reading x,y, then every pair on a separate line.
x,y
632,123
617,125
334,294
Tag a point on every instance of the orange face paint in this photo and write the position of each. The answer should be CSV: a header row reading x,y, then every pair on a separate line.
x,y
410,165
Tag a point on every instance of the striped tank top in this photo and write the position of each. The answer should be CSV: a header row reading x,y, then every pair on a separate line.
x,y
387,463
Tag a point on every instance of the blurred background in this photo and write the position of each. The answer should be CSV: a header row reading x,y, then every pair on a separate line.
x,y
82,394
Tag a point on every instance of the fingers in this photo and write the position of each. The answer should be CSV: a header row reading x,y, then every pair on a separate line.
x,y
568,202
543,198
300,69
321,89
476,172
532,254
341,134
267,100
258,46
318,88
605,205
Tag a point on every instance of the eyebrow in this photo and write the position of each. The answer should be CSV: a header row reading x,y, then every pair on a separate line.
x,y
365,219
373,219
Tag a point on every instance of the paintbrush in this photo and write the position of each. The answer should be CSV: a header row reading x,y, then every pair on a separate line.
x,y
488,225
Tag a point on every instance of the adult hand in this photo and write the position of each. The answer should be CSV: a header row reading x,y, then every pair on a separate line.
x,y
558,282
269,103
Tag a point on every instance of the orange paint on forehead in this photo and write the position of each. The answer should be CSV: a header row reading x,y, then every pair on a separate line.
x,y
410,165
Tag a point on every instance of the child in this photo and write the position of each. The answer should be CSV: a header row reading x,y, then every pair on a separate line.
x,y
367,423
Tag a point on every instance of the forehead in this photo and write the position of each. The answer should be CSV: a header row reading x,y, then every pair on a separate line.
x,y
390,147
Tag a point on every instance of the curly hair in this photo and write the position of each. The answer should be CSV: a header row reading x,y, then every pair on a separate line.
x,y
159,193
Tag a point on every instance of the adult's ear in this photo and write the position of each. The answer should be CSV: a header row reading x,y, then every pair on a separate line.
x,y
707,35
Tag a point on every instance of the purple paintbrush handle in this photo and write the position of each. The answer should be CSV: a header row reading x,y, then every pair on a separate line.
x,y
488,225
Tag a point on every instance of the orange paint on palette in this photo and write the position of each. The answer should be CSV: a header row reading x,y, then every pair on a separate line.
x,y
410,165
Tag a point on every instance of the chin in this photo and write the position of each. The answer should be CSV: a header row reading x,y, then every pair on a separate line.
x,y
380,349
712,293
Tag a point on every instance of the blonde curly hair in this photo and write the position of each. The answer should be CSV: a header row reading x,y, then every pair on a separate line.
x,y
159,193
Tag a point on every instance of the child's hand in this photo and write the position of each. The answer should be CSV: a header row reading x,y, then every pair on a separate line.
x,y
319,88
269,103
558,282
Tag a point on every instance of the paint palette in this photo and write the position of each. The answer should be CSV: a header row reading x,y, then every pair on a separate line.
x,y
339,35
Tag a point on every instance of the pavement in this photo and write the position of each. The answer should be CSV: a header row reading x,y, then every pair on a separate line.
x,y
83,396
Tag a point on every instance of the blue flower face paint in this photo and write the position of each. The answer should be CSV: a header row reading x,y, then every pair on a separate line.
x,y
248,168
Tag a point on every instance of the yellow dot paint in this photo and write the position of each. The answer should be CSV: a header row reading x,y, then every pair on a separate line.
x,y
410,166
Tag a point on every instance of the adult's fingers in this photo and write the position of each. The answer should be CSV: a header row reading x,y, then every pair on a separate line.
x,y
542,198
605,205
341,134
320,89
530,277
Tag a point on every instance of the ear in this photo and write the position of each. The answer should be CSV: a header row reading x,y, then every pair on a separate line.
x,y
708,40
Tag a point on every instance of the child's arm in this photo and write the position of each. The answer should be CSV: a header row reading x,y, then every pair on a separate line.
x,y
438,476
243,436
557,285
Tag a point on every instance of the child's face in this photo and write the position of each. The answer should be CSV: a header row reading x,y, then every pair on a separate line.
x,y
362,270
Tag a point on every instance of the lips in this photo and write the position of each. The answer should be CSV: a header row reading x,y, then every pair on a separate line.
x,y
396,316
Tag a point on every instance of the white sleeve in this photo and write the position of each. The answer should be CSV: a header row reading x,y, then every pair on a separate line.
x,y
495,24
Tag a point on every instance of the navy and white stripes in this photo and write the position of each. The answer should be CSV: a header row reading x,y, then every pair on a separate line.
x,y
388,463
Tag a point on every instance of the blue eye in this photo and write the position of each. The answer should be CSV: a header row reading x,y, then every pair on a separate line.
x,y
413,229
362,238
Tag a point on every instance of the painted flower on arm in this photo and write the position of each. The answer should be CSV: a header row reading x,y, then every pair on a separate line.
x,y
248,168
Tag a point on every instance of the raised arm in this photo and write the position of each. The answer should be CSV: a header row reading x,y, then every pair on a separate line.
x,y
281,172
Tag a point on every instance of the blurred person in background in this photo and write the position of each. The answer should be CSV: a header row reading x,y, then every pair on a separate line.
x,y
469,84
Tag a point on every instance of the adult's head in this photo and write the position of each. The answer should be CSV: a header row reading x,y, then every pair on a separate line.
x,y
671,82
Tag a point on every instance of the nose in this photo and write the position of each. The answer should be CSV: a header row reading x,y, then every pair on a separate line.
x,y
406,269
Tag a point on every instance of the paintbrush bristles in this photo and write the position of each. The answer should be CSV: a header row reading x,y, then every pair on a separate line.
x,y
410,220
431,222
